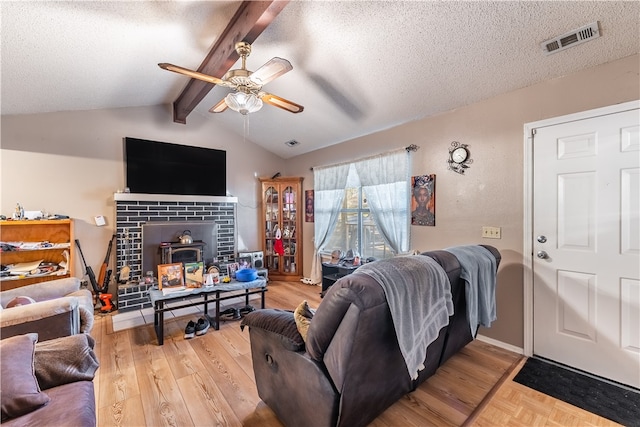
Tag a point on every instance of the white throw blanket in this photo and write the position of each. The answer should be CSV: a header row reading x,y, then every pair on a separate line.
x,y
419,297
479,272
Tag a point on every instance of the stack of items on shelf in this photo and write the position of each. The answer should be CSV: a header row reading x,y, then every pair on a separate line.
x,y
34,268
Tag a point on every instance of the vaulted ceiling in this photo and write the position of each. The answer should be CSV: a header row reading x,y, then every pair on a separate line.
x,y
358,66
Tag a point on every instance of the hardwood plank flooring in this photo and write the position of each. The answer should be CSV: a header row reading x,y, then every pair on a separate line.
x,y
208,380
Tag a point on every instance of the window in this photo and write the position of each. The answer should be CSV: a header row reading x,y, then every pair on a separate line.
x,y
355,228
349,195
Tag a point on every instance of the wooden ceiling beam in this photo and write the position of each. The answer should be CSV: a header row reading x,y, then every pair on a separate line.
x,y
249,21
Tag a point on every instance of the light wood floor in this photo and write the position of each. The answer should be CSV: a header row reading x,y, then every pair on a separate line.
x,y
208,380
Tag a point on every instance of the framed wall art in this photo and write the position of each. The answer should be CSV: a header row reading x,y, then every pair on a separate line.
x,y
423,201
308,206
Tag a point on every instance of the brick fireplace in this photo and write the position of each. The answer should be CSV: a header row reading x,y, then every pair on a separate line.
x,y
133,211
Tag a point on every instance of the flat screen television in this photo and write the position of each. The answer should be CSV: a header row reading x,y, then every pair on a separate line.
x,y
154,167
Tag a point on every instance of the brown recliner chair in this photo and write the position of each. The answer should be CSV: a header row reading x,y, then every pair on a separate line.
x,y
351,368
62,308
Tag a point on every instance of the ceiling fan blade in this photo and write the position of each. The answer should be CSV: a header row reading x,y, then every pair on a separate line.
x,y
219,107
195,75
272,69
279,102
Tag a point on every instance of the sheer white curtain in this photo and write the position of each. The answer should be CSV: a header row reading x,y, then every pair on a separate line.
x,y
329,183
385,179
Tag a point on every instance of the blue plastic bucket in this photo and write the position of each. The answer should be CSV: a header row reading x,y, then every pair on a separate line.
x,y
246,275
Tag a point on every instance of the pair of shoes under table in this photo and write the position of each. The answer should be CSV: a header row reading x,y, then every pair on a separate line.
x,y
199,328
236,313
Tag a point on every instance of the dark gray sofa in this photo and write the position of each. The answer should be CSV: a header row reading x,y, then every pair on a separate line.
x,y
351,368
48,383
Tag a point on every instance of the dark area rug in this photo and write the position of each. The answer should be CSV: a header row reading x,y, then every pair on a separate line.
x,y
609,400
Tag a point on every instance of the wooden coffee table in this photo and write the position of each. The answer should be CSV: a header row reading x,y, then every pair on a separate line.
x,y
203,296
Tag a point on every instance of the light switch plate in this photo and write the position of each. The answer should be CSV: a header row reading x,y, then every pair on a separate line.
x,y
100,220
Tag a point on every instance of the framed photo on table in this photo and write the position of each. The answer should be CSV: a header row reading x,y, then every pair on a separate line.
x,y
244,262
194,274
170,277
232,267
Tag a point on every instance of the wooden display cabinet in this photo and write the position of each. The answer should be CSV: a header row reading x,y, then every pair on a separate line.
x,y
57,232
282,208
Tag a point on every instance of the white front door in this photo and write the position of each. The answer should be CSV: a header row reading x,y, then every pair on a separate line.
x,y
586,244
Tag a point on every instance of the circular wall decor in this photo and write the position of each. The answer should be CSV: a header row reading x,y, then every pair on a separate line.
x,y
459,157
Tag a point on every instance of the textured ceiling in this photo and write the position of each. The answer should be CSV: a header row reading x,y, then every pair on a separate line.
x,y
359,67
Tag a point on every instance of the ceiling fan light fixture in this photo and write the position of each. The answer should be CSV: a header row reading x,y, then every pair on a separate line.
x,y
243,103
248,96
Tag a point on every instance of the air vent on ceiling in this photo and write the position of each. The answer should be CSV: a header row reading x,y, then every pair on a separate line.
x,y
292,143
573,38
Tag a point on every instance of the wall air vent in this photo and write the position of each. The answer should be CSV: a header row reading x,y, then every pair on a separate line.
x,y
292,143
573,38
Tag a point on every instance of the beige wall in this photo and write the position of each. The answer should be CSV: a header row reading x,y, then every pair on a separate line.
x,y
71,163
491,193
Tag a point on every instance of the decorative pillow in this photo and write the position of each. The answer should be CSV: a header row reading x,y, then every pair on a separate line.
x,y
18,301
65,360
20,393
278,322
303,315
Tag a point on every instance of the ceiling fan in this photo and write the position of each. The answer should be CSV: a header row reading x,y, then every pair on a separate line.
x,y
247,96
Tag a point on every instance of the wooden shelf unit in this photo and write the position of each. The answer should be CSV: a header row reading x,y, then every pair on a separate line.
x,y
52,231
282,206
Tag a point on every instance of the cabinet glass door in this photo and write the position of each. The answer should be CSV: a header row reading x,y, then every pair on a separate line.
x,y
289,213
272,211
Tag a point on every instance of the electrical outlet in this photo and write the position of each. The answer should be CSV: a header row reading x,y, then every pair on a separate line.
x,y
497,233
491,232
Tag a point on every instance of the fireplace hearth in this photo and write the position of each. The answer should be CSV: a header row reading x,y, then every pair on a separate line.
x,y
151,219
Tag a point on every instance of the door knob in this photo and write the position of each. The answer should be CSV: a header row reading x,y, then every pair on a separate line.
x,y
542,239
542,255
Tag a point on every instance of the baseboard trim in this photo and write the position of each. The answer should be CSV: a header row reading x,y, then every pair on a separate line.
x,y
500,344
